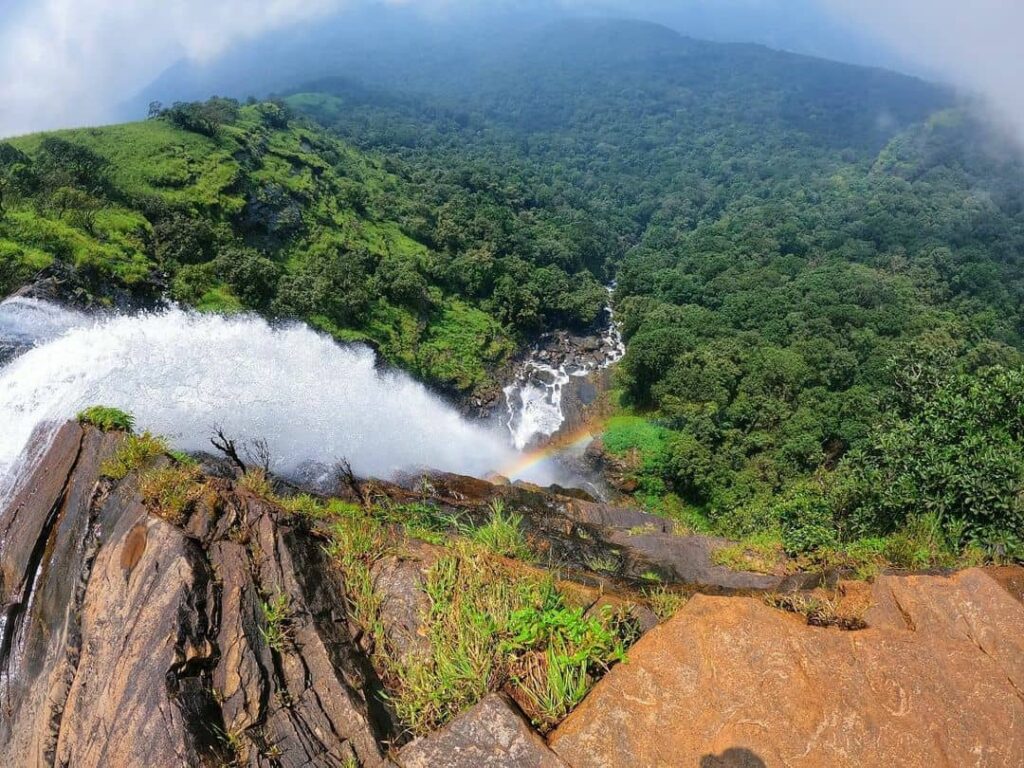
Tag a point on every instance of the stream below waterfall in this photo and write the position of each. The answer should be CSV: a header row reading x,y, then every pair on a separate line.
x,y
535,401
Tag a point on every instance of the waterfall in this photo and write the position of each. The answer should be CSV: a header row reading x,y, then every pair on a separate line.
x,y
534,399
183,374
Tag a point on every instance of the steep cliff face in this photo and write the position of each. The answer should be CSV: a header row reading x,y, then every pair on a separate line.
x,y
227,635
129,640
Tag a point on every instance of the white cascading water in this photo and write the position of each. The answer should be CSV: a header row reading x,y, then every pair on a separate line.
x,y
183,374
534,399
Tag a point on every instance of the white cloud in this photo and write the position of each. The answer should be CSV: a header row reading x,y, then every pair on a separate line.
x,y
65,62
976,44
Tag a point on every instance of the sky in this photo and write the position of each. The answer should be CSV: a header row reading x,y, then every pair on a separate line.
x,y
70,62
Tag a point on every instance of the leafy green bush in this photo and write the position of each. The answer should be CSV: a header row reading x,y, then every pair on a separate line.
x,y
951,453
107,419
806,517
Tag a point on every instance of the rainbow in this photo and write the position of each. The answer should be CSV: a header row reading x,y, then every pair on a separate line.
x,y
560,444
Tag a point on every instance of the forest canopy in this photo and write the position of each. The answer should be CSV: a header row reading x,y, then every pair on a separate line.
x,y
818,267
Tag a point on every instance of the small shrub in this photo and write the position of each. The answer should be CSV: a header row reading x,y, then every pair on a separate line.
x,y
806,517
135,452
107,419
922,543
278,617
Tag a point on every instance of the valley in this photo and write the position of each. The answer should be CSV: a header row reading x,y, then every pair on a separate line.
x,y
583,395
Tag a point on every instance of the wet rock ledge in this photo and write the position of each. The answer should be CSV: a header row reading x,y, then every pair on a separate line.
x,y
129,638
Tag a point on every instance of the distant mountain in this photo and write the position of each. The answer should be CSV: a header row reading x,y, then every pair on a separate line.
x,y
400,47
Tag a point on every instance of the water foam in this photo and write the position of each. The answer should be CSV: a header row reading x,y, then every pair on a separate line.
x,y
182,374
534,400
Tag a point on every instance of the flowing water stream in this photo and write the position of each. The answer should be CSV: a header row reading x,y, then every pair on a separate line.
x,y
535,399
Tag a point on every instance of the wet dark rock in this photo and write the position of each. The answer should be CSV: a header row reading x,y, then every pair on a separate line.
x,y
62,284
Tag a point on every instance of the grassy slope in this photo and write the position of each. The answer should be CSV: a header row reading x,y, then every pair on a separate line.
x,y
154,164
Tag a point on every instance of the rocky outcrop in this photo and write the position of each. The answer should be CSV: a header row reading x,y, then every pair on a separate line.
x,y
937,678
596,541
131,640
221,635
493,734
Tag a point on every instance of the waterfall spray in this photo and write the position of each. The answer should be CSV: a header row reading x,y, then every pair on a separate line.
x,y
182,374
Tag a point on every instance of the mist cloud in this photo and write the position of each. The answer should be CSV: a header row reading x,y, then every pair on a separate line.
x,y
65,62
69,62
975,45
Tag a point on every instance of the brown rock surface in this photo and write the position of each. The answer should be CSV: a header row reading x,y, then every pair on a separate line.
x,y
493,734
129,641
935,680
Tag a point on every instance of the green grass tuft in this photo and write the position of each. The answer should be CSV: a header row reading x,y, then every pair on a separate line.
x,y
134,453
503,534
107,419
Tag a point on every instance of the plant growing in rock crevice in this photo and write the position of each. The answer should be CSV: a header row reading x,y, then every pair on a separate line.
x,y
278,617
173,492
134,453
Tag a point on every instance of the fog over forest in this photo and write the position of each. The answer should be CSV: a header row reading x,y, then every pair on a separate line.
x,y
76,62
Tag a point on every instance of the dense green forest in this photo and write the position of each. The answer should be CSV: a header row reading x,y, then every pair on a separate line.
x,y
819,274
227,207
818,266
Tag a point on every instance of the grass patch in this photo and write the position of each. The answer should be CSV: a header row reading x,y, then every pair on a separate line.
x,y
491,625
173,492
759,554
420,521
603,563
258,483
107,419
278,618
822,611
503,534
665,602
134,453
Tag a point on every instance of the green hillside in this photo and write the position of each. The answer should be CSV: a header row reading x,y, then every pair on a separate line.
x,y
227,208
820,272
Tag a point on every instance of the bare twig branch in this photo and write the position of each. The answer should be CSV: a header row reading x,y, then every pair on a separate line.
x,y
346,477
226,445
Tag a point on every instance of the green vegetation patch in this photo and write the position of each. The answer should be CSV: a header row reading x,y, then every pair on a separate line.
x,y
134,453
493,623
173,493
107,419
